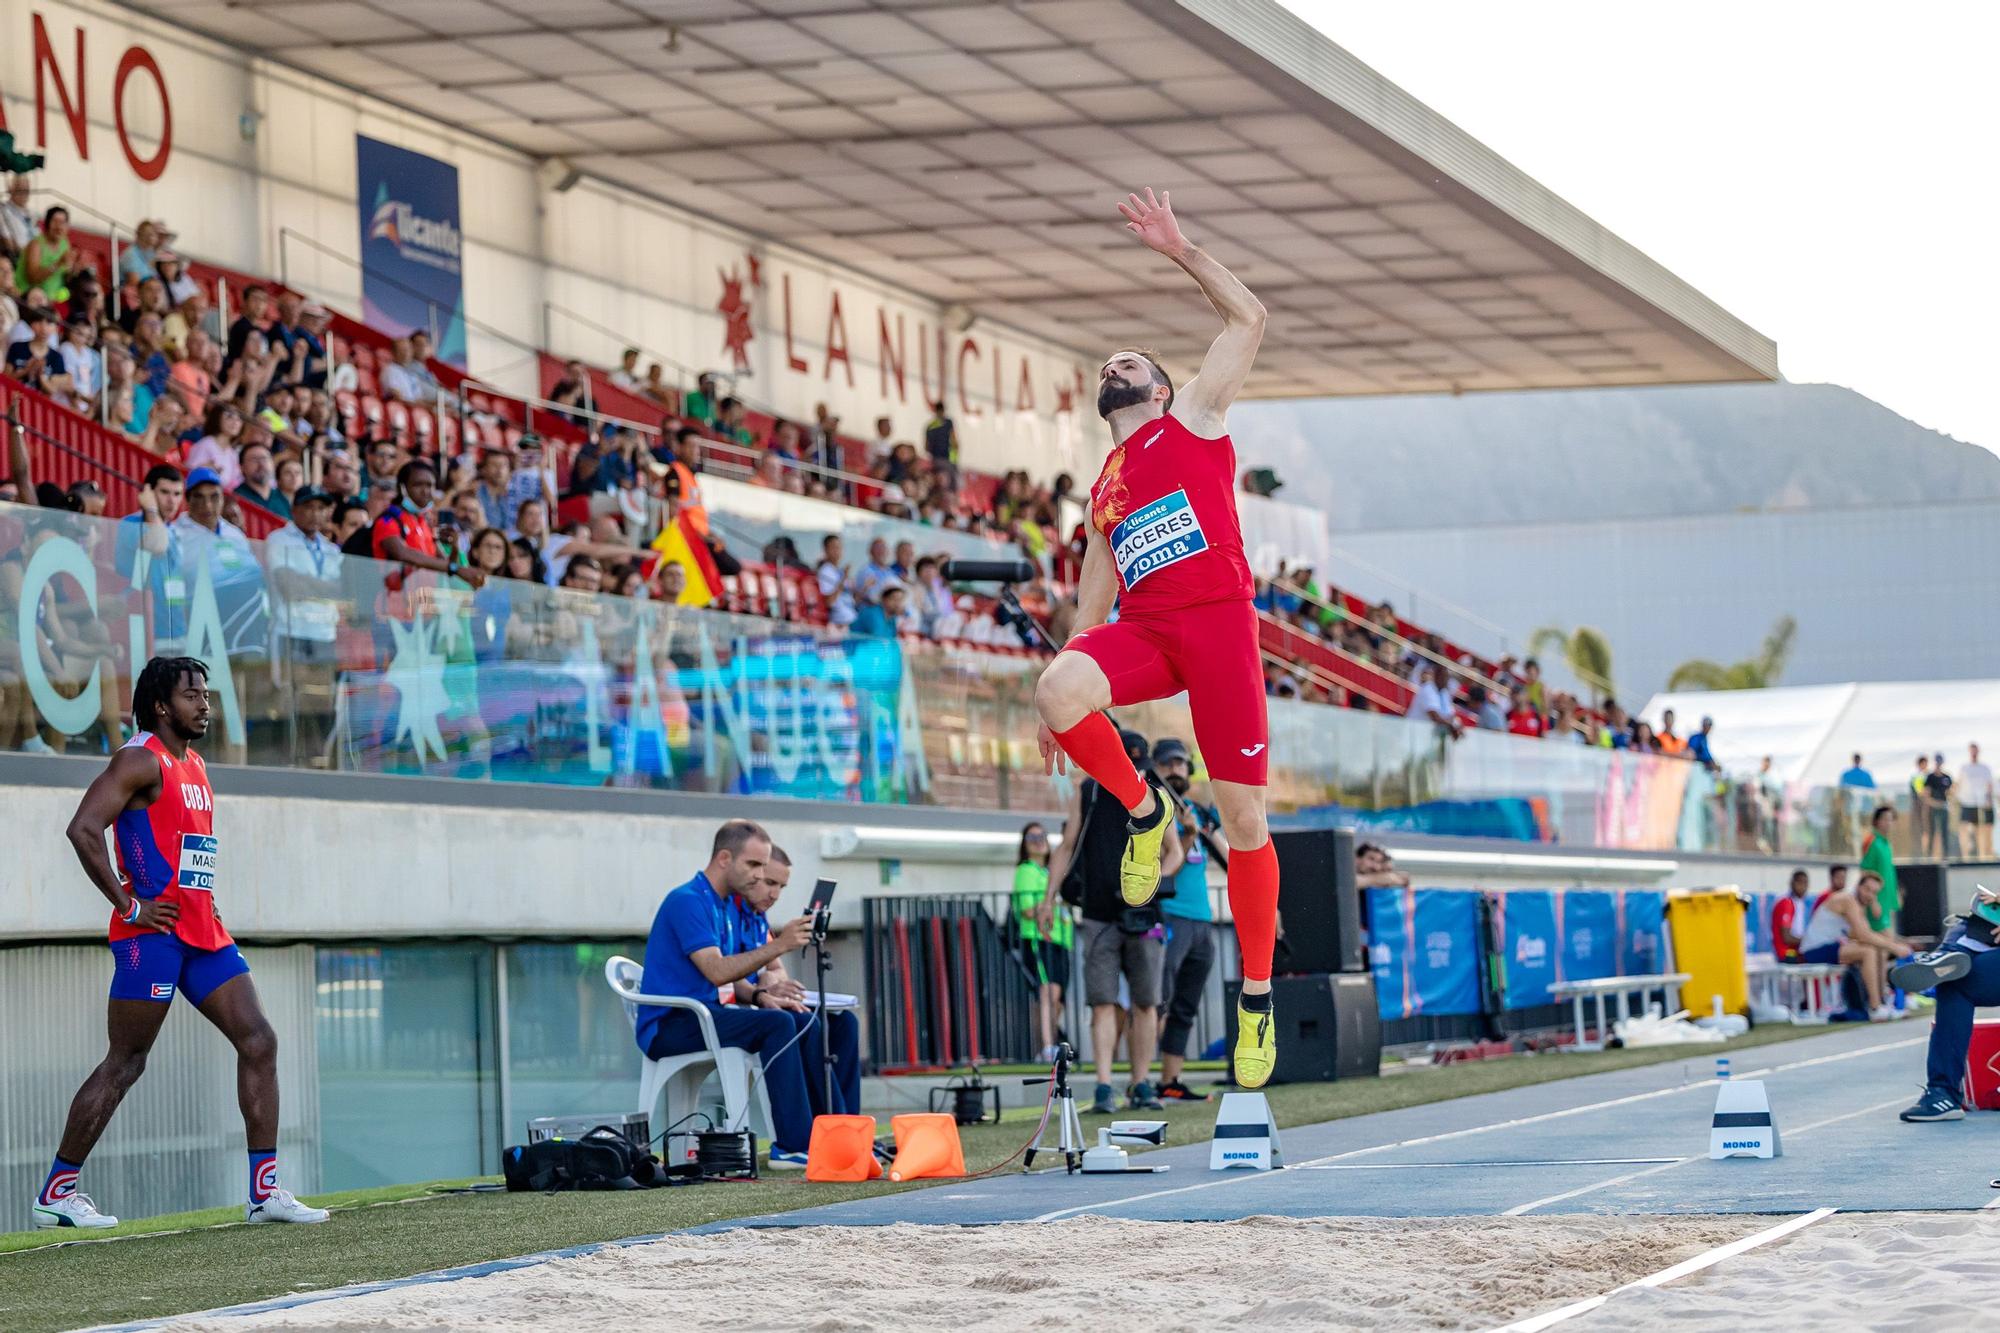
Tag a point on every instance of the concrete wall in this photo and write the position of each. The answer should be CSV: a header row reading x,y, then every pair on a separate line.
x,y
1871,600
322,856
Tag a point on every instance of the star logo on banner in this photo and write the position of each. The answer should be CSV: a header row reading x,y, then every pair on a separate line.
x,y
416,673
1065,399
735,312
756,269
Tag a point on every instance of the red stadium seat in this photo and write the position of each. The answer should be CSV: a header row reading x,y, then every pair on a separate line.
x,y
347,404
447,434
364,379
397,414
371,416
423,427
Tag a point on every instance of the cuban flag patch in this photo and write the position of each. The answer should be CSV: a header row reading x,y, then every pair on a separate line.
x,y
163,990
1156,535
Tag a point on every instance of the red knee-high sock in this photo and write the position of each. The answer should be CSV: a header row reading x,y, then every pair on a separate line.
x,y
1094,747
1253,901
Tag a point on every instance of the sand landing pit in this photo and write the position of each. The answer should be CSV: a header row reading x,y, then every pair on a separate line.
x,y
1263,1272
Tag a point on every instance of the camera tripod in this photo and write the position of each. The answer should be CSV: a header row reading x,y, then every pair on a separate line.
x,y
1069,1130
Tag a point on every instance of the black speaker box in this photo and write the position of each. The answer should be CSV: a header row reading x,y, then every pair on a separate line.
x,y
1319,903
1924,900
1328,1027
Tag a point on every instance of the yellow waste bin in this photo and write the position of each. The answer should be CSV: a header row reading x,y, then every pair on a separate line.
x,y
1707,926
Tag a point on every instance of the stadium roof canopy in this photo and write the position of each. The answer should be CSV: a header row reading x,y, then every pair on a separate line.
x,y
973,152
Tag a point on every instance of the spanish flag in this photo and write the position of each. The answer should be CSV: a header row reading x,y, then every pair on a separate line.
x,y
680,541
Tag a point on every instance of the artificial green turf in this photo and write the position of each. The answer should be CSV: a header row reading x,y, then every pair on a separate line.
x,y
48,1281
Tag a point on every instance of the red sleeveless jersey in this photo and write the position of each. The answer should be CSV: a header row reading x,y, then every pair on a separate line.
x,y
169,850
1166,502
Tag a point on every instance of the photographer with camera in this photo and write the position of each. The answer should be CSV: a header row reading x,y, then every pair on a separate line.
x,y
1117,939
1962,974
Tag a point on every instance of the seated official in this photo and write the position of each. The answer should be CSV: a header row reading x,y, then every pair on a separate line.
x,y
1839,931
695,951
771,987
1962,975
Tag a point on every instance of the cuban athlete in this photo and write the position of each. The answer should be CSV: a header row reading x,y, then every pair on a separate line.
x,y
1166,546
166,939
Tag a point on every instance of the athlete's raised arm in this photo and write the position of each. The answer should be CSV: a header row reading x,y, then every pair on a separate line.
x,y
129,773
1203,402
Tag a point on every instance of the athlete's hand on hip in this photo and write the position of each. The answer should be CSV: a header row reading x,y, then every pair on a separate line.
x,y
1152,221
1053,759
156,914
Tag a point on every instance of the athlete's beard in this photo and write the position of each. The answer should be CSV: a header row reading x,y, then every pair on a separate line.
x,y
1178,784
1115,394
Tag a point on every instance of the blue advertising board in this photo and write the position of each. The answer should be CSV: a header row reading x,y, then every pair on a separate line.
x,y
1528,935
411,246
1589,934
1423,947
1641,942
1445,958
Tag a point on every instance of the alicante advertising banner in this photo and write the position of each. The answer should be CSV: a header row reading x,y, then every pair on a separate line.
x,y
412,279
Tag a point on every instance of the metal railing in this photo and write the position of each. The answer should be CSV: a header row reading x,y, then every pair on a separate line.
x,y
685,376
1394,636
1414,593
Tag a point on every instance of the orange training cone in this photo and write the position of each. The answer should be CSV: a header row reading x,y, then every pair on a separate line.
x,y
926,1146
842,1148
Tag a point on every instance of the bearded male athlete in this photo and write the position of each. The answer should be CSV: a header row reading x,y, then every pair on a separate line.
x,y
1166,546
166,937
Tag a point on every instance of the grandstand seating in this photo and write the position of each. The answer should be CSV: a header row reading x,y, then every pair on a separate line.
x,y
481,416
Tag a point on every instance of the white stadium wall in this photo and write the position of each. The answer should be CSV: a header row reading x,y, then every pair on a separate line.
x,y
1890,593
258,150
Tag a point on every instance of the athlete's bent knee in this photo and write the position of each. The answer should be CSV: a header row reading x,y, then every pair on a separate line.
x,y
259,1045
1063,693
125,1067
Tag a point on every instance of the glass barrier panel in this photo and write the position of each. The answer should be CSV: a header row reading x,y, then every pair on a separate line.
x,y
322,660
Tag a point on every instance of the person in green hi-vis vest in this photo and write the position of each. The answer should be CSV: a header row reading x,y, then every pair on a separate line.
x,y
1877,855
1045,938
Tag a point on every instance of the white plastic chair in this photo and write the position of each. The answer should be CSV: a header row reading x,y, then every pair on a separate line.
x,y
682,1076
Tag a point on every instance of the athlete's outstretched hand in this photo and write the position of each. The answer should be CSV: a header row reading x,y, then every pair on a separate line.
x,y
1152,221
1053,758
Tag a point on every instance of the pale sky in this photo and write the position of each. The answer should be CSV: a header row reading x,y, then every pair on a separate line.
x,y
1826,172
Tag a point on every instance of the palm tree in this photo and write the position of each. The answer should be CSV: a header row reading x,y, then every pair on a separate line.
x,y
1757,673
1585,651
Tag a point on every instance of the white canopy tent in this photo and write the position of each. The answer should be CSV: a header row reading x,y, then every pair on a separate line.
x,y
1813,732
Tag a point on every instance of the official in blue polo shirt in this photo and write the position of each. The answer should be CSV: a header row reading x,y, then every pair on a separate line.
x,y
774,988
695,950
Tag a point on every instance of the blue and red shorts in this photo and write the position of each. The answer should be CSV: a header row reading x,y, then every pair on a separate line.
x,y
153,967
1211,651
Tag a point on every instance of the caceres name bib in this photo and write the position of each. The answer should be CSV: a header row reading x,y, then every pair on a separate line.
x,y
1166,504
1160,534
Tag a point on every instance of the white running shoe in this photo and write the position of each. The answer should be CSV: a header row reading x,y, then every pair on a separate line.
x,y
281,1206
1884,1013
75,1210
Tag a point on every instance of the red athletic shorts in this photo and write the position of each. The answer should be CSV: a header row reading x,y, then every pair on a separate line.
x,y
1211,651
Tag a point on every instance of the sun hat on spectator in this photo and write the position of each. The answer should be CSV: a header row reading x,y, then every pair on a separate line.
x,y
306,495
1169,748
203,476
